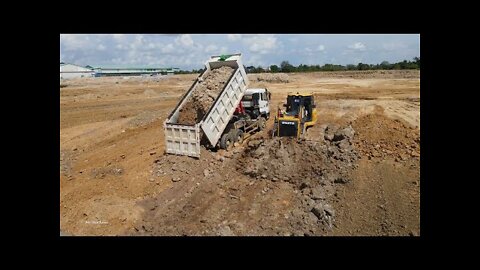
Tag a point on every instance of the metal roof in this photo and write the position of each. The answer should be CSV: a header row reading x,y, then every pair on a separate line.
x,y
64,64
254,90
127,67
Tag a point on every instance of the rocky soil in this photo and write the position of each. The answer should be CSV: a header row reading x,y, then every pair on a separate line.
x,y
204,95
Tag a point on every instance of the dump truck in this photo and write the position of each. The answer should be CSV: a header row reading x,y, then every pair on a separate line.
x,y
227,120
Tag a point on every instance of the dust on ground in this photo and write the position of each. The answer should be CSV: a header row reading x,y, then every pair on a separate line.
x,y
279,187
116,180
384,196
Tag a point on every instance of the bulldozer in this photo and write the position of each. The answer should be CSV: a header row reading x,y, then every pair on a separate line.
x,y
298,116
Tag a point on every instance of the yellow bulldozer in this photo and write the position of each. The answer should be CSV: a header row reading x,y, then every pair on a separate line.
x,y
298,116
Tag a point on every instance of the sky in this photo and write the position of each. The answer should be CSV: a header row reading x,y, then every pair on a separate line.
x,y
190,51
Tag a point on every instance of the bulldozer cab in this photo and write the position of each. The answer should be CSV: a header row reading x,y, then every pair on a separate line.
x,y
298,116
295,103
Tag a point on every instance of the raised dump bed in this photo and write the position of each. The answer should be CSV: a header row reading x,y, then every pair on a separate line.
x,y
184,131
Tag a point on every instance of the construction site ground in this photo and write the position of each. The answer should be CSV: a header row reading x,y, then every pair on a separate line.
x,y
116,180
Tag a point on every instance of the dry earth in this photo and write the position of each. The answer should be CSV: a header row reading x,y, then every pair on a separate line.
x,y
116,180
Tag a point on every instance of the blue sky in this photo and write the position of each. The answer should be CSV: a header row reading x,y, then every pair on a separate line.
x,y
190,51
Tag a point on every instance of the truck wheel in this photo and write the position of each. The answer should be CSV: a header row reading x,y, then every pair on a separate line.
x,y
262,123
238,136
226,142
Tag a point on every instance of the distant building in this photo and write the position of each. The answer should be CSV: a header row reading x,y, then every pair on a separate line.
x,y
69,71
132,71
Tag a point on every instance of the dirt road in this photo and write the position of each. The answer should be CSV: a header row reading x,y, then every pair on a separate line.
x,y
115,179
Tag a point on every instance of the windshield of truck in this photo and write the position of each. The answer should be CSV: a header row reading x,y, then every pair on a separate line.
x,y
247,98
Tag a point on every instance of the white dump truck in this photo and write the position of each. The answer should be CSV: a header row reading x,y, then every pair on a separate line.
x,y
236,113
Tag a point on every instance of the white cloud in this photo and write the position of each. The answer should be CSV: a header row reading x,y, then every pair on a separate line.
x,y
119,37
357,60
168,49
211,48
359,46
75,42
138,43
392,46
261,43
120,46
151,45
184,40
255,60
234,37
190,51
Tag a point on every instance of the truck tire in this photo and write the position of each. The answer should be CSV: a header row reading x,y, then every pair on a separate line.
x,y
262,123
238,136
226,142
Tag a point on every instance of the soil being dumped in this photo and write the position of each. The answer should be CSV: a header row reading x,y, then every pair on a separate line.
x,y
314,168
302,162
280,186
204,95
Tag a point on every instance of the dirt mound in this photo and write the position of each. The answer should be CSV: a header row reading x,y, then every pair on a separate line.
x,y
370,74
204,95
281,186
380,136
314,168
180,168
273,78
301,162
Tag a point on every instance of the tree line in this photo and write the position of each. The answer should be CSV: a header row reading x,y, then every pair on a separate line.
x,y
286,67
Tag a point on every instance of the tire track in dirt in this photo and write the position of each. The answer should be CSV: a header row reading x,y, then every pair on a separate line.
x,y
262,208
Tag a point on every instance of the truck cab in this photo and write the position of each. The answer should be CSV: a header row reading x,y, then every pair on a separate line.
x,y
250,116
256,102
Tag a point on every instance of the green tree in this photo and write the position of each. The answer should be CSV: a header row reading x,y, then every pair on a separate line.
x,y
417,61
250,69
274,68
385,65
362,66
286,67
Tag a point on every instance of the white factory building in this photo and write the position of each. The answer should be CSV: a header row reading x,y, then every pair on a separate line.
x,y
69,71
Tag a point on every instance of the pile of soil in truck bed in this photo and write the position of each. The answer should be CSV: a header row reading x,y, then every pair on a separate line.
x,y
204,95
